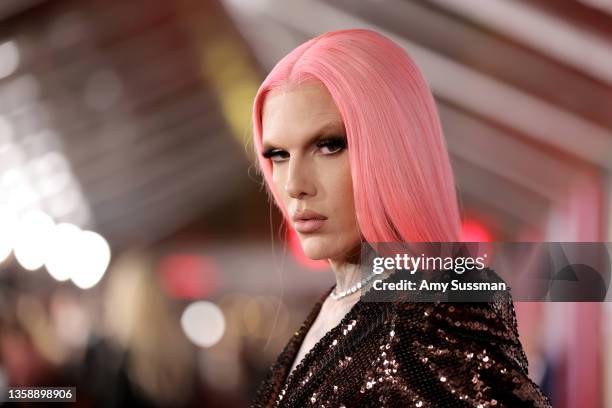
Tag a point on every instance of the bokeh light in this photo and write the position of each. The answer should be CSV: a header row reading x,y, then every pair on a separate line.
x,y
203,323
93,256
9,58
32,239
62,261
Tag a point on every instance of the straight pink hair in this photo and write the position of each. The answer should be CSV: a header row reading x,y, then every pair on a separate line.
x,y
403,183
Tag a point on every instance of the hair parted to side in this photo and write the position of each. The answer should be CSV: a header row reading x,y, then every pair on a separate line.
x,y
403,183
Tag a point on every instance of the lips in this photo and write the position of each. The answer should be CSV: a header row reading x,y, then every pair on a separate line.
x,y
308,221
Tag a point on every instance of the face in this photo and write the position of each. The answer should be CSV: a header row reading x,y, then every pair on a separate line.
x,y
304,137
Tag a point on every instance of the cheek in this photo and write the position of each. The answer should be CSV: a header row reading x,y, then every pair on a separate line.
x,y
344,187
341,188
278,182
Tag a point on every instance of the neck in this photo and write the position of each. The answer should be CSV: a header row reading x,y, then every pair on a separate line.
x,y
347,275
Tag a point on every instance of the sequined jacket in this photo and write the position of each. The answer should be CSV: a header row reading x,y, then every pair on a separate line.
x,y
407,354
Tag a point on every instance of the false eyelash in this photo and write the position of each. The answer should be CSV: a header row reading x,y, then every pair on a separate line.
x,y
335,141
270,153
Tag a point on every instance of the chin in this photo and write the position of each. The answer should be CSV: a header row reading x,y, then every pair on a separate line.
x,y
317,248
322,248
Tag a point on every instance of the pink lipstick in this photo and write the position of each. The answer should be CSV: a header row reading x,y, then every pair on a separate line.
x,y
307,221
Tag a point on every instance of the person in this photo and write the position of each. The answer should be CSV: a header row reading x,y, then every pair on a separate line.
x,y
351,149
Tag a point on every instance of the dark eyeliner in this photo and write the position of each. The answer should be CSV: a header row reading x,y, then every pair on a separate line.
x,y
334,141
269,153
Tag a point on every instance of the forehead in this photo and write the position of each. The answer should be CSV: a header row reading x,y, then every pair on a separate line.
x,y
294,113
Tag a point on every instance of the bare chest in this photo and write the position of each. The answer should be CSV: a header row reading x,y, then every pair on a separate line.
x,y
327,319
312,338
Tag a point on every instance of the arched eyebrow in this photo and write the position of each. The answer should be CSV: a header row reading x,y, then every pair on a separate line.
x,y
328,129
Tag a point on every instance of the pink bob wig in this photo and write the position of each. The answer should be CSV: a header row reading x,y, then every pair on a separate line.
x,y
403,183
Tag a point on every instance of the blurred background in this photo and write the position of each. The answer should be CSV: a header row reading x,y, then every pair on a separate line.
x,y
140,259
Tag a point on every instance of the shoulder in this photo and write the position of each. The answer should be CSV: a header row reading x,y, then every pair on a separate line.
x,y
456,352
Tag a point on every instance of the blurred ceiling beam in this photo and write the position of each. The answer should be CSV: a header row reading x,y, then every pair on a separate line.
x,y
603,5
170,154
270,42
161,210
500,193
226,63
10,8
500,57
559,39
503,155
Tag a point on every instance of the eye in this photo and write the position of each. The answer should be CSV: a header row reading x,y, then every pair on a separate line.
x,y
276,155
332,145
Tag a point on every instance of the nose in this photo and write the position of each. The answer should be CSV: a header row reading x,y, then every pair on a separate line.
x,y
299,183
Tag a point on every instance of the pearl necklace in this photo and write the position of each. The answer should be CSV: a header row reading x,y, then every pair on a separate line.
x,y
352,289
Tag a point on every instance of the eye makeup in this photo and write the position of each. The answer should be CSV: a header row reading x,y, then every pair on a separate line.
x,y
274,152
333,144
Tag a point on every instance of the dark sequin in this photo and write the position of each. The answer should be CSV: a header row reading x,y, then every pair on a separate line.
x,y
407,354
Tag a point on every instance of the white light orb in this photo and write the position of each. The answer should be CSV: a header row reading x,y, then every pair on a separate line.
x,y
9,58
92,257
203,323
32,239
62,260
